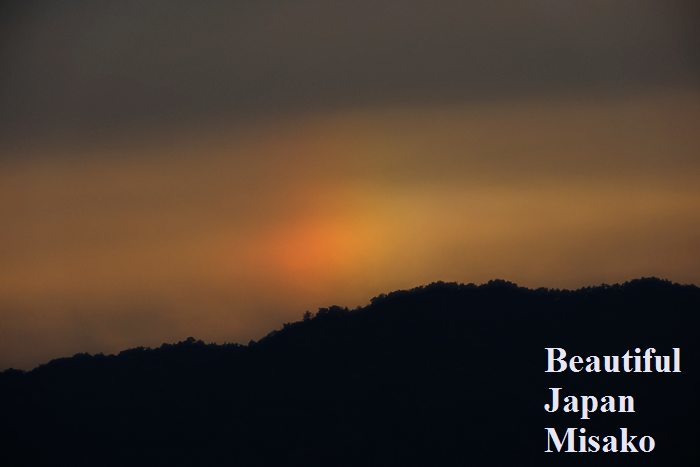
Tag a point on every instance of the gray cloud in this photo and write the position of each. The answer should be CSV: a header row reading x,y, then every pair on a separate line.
x,y
83,66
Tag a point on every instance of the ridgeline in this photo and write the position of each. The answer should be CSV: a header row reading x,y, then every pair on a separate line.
x,y
445,374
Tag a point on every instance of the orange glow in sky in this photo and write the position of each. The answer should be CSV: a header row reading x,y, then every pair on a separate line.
x,y
228,233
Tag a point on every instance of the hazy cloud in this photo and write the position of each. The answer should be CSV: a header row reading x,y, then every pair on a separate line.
x,y
80,66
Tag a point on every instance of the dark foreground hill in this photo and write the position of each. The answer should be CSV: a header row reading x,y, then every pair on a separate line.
x,y
441,375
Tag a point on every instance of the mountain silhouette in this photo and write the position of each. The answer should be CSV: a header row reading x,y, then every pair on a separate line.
x,y
441,375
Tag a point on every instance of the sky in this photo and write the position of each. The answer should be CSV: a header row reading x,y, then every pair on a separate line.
x,y
216,168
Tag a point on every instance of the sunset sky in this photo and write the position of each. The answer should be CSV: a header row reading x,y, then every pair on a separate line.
x,y
216,168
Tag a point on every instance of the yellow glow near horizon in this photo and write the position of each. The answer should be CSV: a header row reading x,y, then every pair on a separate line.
x,y
228,234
